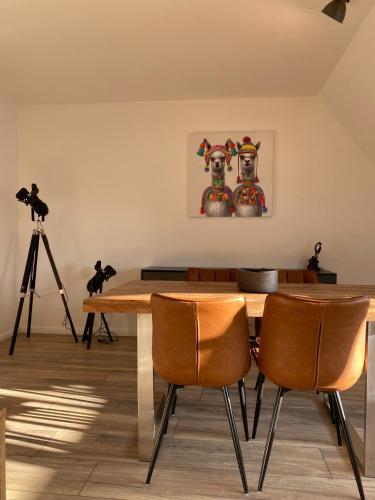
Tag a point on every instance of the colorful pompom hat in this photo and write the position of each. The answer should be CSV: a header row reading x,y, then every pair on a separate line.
x,y
247,147
206,150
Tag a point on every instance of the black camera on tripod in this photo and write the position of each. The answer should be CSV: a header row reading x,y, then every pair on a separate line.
x,y
31,198
95,284
28,281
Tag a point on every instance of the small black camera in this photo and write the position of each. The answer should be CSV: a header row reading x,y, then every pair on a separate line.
x,y
95,284
31,198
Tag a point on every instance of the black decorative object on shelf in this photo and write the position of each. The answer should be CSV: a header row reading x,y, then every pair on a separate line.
x,y
314,261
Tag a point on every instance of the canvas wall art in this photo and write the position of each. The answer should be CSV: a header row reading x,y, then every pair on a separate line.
x,y
230,174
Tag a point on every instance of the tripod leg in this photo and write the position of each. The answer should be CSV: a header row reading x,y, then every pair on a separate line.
x,y
32,285
24,285
106,327
91,318
86,329
59,284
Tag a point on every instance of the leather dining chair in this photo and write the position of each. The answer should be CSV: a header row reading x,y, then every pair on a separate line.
x,y
297,276
222,275
230,274
211,274
284,276
312,345
201,343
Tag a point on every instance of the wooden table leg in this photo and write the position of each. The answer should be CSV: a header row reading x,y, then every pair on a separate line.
x,y
145,387
2,455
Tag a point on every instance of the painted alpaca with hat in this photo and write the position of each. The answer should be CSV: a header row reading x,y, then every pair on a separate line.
x,y
217,199
248,198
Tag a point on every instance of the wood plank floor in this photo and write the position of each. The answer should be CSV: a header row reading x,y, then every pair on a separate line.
x,y
72,433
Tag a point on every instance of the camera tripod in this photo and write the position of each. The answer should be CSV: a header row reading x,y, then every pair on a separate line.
x,y
89,326
29,279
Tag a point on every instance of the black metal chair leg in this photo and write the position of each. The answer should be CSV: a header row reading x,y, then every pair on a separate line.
x,y
271,435
174,403
335,418
256,386
169,414
167,418
331,402
236,442
338,434
173,407
258,404
166,412
349,444
242,391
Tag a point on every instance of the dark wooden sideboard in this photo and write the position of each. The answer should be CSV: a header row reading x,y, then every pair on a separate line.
x,y
179,274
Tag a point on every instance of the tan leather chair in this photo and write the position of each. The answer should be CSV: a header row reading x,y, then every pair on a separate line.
x,y
230,274
223,275
207,274
284,276
298,276
315,345
202,343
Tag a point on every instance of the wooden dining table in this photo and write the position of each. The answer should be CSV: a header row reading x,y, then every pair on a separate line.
x,y
133,297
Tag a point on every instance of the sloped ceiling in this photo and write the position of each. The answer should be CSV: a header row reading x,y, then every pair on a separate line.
x,y
350,90
69,51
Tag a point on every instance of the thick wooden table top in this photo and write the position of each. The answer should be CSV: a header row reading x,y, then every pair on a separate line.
x,y
134,296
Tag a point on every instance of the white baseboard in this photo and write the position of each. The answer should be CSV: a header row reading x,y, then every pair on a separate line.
x,y
121,332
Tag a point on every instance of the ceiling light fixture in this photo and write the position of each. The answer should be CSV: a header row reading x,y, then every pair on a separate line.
x,y
336,9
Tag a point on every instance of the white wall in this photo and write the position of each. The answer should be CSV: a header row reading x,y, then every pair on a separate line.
x,y
114,176
8,215
350,90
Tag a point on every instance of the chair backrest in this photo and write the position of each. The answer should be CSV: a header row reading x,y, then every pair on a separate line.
x,y
313,344
230,274
298,276
210,274
200,342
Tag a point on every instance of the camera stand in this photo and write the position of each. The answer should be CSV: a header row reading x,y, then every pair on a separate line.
x,y
89,326
29,278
